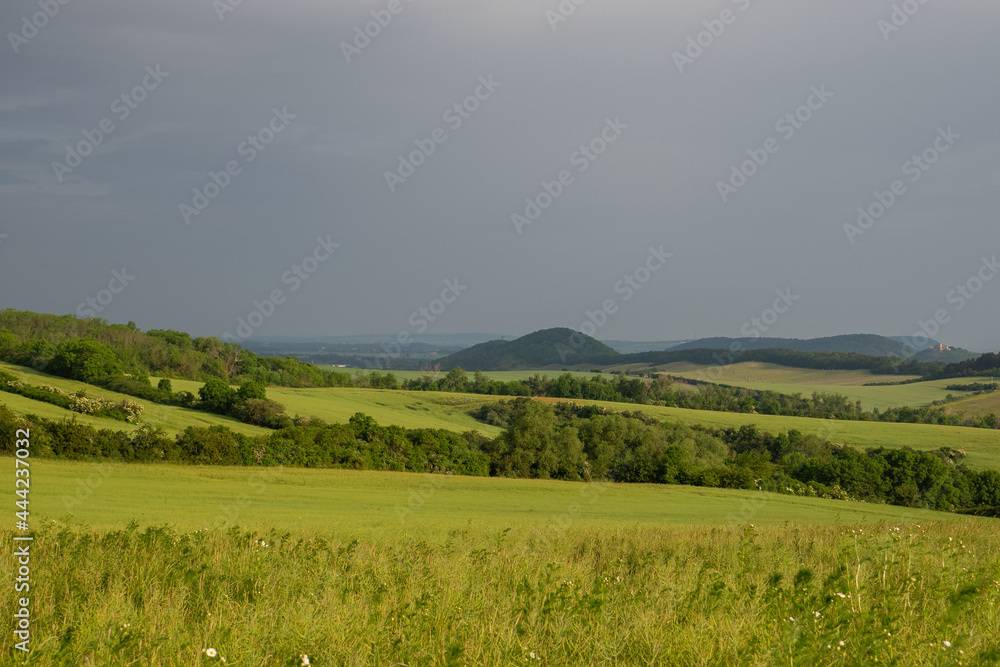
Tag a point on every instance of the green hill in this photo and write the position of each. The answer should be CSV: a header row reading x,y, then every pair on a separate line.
x,y
34,340
548,347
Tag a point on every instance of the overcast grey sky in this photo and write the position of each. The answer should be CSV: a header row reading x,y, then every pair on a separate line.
x,y
204,82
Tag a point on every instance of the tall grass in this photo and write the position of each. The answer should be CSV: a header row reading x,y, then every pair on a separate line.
x,y
475,595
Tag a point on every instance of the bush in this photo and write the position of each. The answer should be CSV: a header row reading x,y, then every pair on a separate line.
x,y
217,396
85,360
259,412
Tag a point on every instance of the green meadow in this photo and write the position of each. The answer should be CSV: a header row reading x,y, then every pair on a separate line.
x,y
169,565
410,409
754,371
983,404
785,380
184,565
110,495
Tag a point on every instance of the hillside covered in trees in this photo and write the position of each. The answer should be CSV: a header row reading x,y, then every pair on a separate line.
x,y
36,340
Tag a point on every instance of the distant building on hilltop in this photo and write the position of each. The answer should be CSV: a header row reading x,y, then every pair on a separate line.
x,y
940,347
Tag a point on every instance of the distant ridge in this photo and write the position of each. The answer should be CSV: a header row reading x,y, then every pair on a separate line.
x,y
867,344
870,345
565,347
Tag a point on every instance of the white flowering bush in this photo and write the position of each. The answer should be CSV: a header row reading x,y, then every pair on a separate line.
x,y
129,411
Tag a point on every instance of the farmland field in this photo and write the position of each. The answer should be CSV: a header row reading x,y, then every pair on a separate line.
x,y
984,404
490,572
196,497
785,380
753,371
410,409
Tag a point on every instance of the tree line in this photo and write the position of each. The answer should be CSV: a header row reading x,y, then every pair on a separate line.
x,y
563,441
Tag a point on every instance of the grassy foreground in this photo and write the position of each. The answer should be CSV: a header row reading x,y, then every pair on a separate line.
x,y
491,572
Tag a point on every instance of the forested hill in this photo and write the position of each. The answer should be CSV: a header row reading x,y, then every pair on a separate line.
x,y
536,350
565,347
35,340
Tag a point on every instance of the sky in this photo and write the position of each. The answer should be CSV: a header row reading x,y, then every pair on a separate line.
x,y
661,170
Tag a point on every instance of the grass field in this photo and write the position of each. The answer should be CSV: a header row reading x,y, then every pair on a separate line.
x,y
402,408
785,380
753,371
170,418
111,495
489,572
984,404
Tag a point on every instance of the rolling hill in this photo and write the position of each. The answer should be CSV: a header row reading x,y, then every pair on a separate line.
x,y
561,347
536,350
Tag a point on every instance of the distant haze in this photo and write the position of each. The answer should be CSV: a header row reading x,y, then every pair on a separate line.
x,y
664,171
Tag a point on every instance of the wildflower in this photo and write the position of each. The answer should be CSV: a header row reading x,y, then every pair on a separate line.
x,y
841,643
947,644
791,618
817,614
211,652
305,660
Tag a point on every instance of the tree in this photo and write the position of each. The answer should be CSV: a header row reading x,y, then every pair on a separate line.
x,y
217,396
85,360
455,380
251,390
